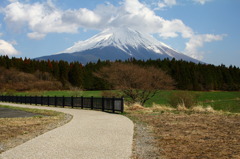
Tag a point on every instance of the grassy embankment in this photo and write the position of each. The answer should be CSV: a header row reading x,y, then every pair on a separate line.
x,y
226,101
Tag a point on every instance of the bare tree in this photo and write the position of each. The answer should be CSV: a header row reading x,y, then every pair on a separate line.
x,y
138,83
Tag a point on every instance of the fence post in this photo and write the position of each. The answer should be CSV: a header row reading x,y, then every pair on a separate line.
x,y
25,99
41,100
30,99
72,101
82,102
20,97
55,101
103,103
48,100
122,105
63,101
113,104
35,100
92,102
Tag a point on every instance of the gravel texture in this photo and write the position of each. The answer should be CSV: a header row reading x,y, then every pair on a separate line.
x,y
89,135
144,145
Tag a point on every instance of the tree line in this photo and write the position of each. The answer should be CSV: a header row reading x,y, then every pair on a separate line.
x,y
187,75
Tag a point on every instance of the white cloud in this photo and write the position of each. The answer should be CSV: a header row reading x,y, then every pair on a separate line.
x,y
81,17
1,34
173,28
36,35
170,2
166,3
7,48
201,1
197,41
44,18
41,19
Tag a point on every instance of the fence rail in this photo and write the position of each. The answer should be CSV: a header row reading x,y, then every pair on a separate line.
x,y
105,104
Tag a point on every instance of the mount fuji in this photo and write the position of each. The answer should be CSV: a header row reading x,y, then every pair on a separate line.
x,y
118,44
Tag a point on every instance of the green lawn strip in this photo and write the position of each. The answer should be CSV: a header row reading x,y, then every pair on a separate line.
x,y
207,96
226,105
160,98
60,93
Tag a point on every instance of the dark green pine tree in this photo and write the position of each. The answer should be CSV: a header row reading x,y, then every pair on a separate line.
x,y
75,74
63,72
55,70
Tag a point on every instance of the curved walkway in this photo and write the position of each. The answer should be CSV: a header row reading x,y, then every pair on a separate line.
x,y
89,135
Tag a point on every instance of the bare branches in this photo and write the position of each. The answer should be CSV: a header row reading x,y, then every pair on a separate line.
x,y
138,83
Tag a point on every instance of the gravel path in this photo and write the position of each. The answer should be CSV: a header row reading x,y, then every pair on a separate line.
x,y
89,135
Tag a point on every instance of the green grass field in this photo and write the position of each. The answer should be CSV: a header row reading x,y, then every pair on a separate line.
x,y
226,101
61,93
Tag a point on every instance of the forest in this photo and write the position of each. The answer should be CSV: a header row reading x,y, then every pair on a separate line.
x,y
64,75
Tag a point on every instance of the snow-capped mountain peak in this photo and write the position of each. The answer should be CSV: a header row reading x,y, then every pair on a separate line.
x,y
118,44
120,38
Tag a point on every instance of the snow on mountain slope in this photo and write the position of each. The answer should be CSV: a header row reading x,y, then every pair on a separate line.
x,y
120,38
118,44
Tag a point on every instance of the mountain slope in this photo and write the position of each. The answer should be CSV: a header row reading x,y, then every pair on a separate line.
x,y
120,43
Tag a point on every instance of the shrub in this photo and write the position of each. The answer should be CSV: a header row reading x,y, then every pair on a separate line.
x,y
200,108
10,92
187,99
110,94
76,91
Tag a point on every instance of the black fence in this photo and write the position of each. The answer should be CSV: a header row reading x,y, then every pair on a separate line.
x,y
105,104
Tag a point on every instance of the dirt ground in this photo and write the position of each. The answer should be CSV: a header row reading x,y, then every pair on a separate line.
x,y
11,113
186,135
16,128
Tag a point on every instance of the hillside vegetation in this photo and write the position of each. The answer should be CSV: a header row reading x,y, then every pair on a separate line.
x,y
12,79
187,75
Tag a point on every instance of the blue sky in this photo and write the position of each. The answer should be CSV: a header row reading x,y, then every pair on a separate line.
x,y
204,29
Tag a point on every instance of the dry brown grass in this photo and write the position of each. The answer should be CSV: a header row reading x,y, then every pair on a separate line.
x,y
15,131
191,133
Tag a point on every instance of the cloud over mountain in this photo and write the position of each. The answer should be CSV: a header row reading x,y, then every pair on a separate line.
x,y
44,18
